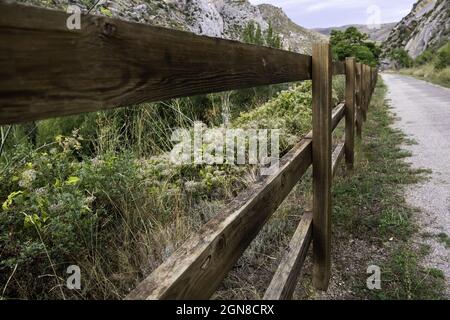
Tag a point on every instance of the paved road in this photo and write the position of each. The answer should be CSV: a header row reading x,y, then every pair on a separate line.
x,y
423,112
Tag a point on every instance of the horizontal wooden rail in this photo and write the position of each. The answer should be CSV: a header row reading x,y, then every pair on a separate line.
x,y
196,269
338,114
284,281
337,156
47,70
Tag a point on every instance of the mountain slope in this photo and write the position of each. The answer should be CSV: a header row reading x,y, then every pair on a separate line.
x,y
295,37
426,26
378,35
215,18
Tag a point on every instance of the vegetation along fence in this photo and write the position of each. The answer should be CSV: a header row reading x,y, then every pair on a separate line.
x,y
47,70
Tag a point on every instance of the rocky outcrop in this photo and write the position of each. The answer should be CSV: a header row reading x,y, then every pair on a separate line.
x,y
215,18
294,37
426,26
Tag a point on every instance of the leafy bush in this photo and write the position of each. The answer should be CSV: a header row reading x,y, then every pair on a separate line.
x,y
58,210
402,57
54,206
426,57
443,57
352,43
289,111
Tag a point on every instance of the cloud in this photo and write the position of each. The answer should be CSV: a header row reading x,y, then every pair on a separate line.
x,y
283,3
325,13
339,4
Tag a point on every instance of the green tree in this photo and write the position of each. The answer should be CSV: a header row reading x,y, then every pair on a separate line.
x,y
443,57
402,57
272,38
253,34
353,43
426,57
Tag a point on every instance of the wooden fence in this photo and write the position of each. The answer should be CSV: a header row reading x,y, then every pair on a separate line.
x,y
47,70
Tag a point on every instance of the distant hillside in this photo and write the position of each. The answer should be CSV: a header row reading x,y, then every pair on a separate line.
x,y
426,26
378,35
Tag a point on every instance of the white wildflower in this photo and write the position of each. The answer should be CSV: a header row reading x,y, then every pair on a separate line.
x,y
27,178
191,186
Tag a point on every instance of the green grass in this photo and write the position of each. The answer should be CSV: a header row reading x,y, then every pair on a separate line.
x,y
369,205
404,278
428,73
445,239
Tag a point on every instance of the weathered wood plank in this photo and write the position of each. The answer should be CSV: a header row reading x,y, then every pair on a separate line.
x,y
364,93
47,70
285,278
338,114
358,86
337,156
367,89
196,269
321,118
350,112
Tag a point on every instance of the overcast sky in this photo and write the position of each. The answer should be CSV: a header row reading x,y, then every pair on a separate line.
x,y
334,13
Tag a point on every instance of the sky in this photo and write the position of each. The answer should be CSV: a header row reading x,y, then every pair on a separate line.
x,y
335,13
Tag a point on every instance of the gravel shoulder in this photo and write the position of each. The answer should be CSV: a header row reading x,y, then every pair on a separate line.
x,y
423,113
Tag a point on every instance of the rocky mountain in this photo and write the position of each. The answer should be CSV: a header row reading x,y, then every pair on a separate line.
x,y
294,36
216,18
426,26
378,34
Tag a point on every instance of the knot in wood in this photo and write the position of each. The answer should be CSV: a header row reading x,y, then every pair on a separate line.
x,y
108,29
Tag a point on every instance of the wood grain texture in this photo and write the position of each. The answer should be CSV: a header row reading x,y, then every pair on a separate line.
x,y
338,114
321,118
350,112
197,268
285,278
364,93
47,70
337,156
358,107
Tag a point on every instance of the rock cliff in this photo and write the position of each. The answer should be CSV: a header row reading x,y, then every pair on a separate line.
x,y
426,26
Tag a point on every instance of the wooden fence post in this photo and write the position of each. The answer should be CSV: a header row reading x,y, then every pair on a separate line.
x,y
349,111
374,78
372,71
322,176
364,91
358,100
368,95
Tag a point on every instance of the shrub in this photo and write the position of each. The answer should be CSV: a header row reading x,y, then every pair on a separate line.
x,y
426,57
402,57
54,207
59,209
353,43
443,57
